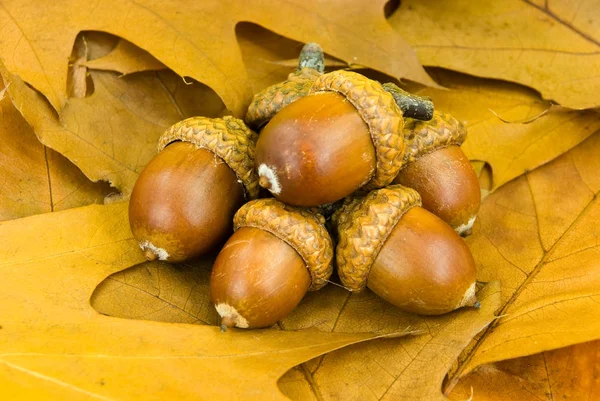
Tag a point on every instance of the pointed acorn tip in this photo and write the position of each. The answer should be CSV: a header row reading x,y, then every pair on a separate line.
x,y
469,298
226,323
264,182
466,232
150,255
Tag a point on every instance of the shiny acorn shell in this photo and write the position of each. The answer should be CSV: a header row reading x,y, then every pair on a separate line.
x,y
380,112
229,138
302,229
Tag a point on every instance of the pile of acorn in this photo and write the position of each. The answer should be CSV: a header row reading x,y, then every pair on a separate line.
x,y
340,153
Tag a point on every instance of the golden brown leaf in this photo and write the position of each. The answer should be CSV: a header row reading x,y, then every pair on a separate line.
x,y
510,147
35,179
270,58
538,236
112,134
126,58
197,38
159,291
412,368
179,294
53,343
571,373
553,47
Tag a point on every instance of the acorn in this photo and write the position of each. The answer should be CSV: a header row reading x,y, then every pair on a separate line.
x,y
277,254
437,168
403,253
345,135
265,104
184,200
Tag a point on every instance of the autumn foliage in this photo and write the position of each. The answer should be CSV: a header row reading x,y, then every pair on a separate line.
x,y
87,89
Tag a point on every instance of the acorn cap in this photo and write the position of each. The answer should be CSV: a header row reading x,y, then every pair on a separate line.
x,y
302,229
227,137
423,137
380,112
363,226
268,102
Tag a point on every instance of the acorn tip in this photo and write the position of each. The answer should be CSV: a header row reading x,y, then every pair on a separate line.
x,y
150,255
264,182
226,323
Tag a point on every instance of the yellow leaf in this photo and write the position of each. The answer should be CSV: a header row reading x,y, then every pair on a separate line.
x,y
391,366
411,368
553,47
35,179
53,343
569,373
112,134
126,58
270,58
538,236
159,291
196,38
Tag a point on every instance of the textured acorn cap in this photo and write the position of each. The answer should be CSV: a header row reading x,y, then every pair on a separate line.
x,y
268,102
423,137
302,229
227,137
381,114
363,226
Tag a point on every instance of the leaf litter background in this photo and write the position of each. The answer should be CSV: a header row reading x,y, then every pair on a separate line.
x,y
97,101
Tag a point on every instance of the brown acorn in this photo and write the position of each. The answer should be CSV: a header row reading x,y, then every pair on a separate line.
x,y
268,102
277,253
345,135
436,167
184,200
403,253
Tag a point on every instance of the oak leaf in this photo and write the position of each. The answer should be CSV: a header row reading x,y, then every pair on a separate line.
x,y
112,134
553,47
159,291
35,179
126,58
569,373
539,238
401,367
196,39
53,343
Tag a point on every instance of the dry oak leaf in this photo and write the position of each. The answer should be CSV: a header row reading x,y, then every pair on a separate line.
x,y
126,58
400,367
112,134
196,38
269,58
53,344
411,368
553,47
510,147
570,373
538,235
159,291
35,179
